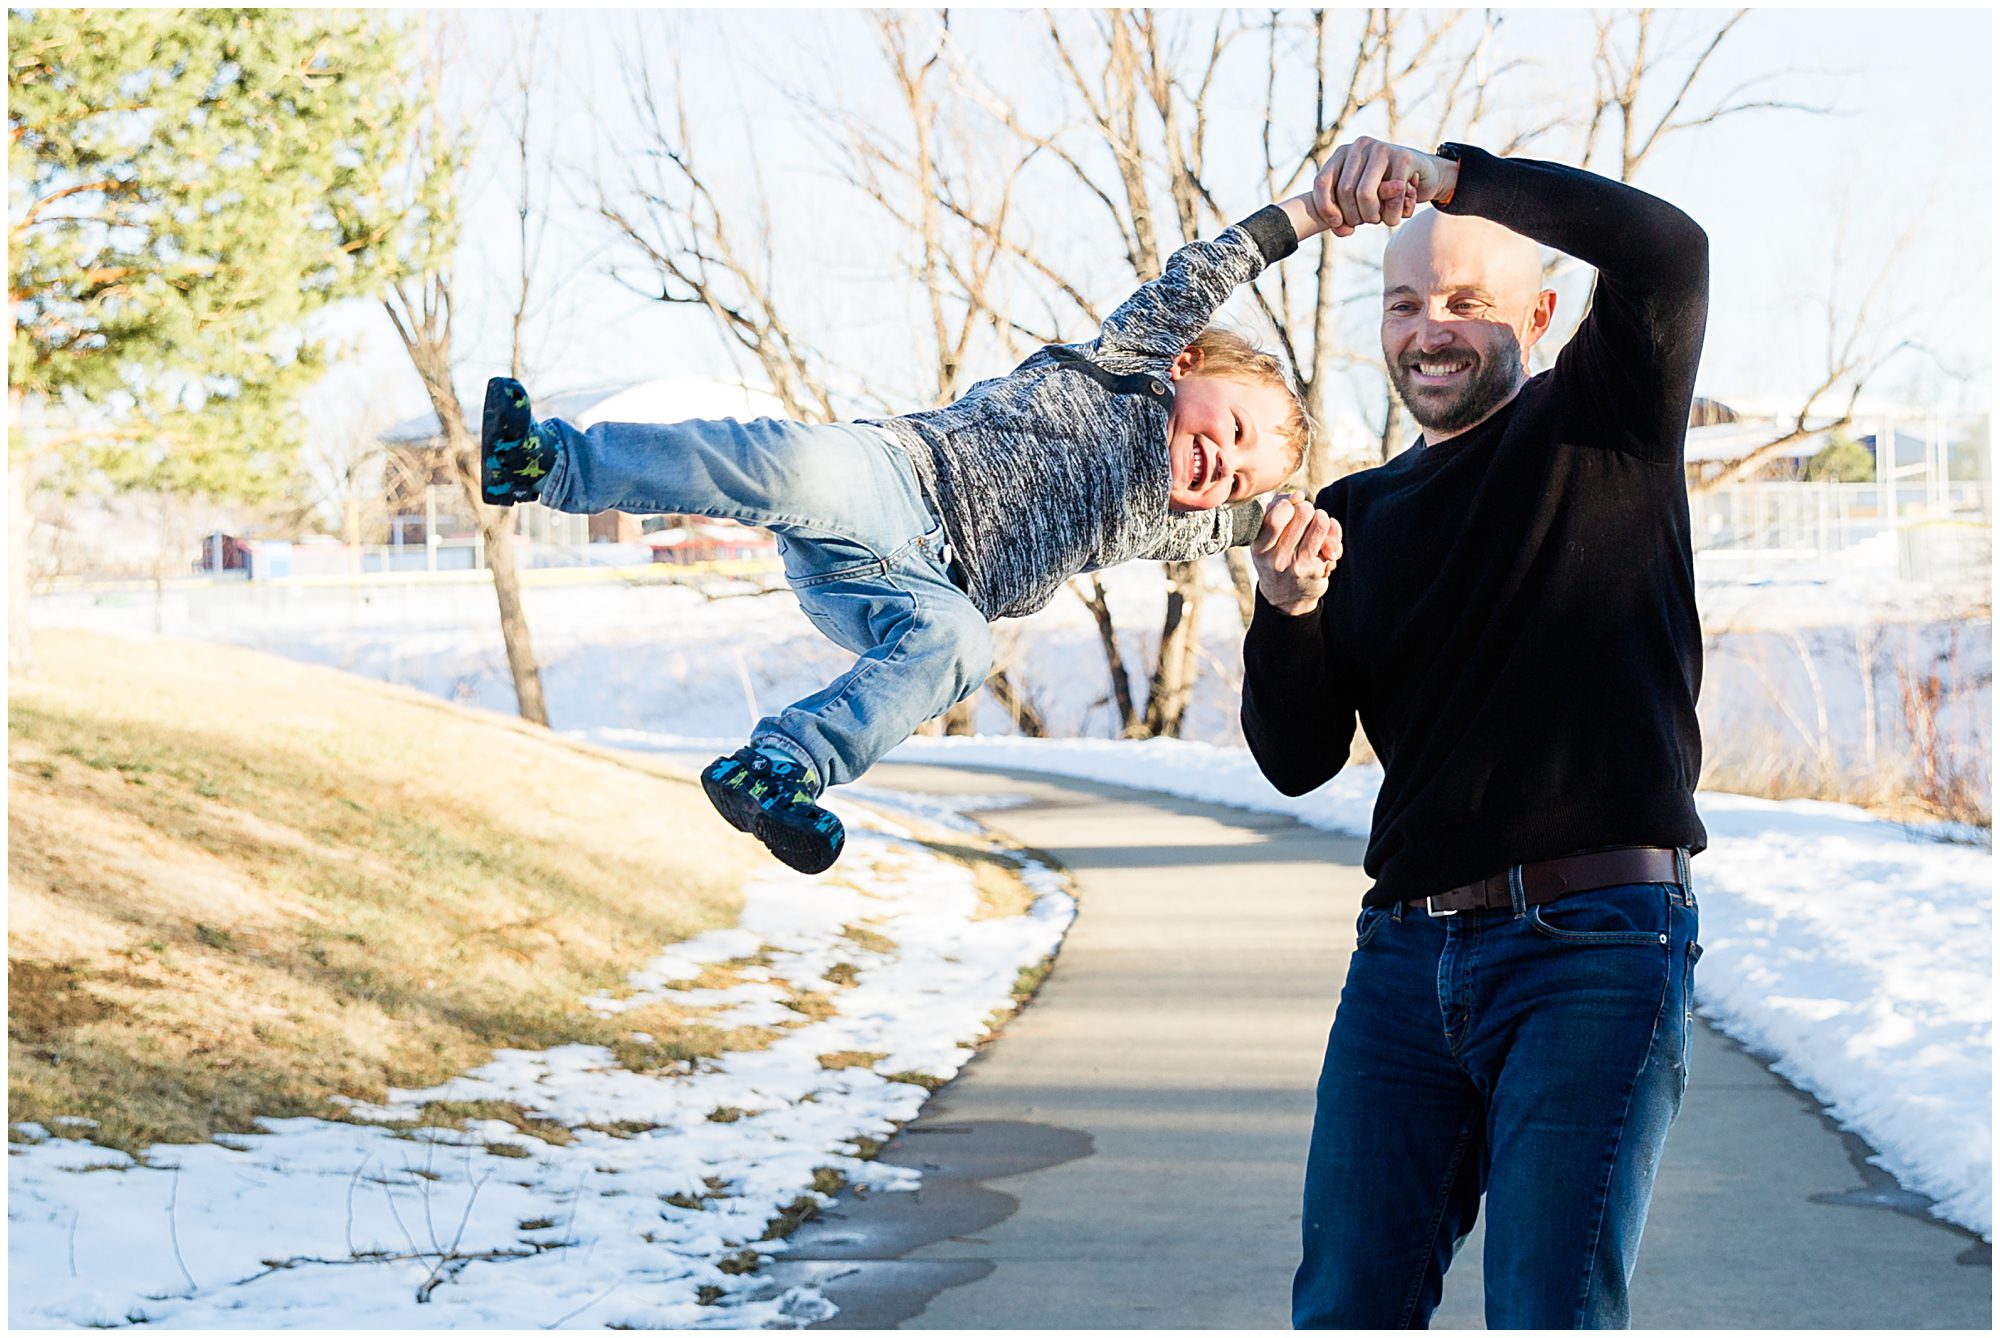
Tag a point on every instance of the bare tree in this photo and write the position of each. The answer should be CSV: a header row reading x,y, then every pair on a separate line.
x,y
346,466
1860,341
1118,136
1644,72
1644,84
915,185
1140,75
1122,698
699,250
418,301
1127,139
1630,62
531,213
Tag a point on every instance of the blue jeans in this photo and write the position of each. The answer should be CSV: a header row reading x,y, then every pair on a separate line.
x,y
1536,1056
861,547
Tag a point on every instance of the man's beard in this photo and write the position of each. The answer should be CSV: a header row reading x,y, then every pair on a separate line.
x,y
1495,376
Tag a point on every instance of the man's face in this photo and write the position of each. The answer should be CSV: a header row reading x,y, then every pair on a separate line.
x,y
1461,303
1225,440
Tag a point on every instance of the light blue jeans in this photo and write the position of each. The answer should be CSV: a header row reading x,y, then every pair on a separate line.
x,y
861,547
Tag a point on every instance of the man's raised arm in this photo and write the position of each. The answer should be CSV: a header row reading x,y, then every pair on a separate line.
x,y
1632,361
1634,356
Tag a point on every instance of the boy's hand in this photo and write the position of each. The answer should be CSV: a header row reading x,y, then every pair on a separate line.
x,y
1295,554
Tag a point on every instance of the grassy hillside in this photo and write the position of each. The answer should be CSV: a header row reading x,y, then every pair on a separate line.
x,y
239,886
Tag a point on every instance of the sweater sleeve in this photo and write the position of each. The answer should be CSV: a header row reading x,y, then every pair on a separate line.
x,y
1631,364
1198,534
1298,710
1164,316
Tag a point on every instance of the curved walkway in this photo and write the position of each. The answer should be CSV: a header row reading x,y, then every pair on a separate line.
x,y
1129,1153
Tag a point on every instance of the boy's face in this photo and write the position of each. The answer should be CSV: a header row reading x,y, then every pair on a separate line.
x,y
1225,439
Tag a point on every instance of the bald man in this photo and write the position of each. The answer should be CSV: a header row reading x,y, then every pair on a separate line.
x,y
1508,607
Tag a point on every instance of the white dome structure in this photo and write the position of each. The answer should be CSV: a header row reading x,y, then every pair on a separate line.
x,y
671,399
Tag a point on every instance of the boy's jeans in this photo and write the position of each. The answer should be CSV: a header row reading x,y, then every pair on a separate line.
x,y
1538,1055
860,546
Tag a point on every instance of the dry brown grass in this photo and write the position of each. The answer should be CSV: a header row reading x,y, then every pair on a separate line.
x,y
240,886
996,873
1919,769
852,1059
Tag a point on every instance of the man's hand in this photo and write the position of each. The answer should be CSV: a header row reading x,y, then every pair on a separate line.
x,y
1368,181
1295,554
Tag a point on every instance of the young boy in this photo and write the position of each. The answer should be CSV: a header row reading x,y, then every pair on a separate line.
x,y
904,537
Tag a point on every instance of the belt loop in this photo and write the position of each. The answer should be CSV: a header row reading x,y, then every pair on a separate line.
x,y
1396,912
1686,875
1516,891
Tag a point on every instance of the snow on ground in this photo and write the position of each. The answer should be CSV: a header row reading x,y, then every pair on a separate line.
x,y
1783,678
329,1224
1856,953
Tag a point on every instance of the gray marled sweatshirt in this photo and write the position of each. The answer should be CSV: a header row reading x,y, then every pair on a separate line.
x,y
1056,468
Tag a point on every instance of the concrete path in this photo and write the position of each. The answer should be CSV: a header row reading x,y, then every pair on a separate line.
x,y
1129,1153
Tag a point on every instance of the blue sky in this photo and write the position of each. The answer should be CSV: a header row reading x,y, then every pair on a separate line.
x,y
1912,143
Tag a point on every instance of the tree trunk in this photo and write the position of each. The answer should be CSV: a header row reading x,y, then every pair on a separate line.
x,y
496,531
1114,658
20,521
1320,464
958,719
431,357
160,552
1245,580
1392,423
1026,718
1177,668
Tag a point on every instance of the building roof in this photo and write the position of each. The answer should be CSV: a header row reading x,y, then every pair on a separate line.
x,y
670,399
1732,441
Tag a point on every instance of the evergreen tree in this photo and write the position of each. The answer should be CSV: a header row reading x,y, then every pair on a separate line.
x,y
170,179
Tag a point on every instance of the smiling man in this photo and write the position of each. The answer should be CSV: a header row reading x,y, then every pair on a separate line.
x,y
1462,302
1512,619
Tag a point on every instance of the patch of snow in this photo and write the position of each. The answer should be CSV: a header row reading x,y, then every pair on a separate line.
x,y
315,1223
1856,952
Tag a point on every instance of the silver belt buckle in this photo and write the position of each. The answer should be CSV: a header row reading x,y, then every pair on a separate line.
x,y
1430,904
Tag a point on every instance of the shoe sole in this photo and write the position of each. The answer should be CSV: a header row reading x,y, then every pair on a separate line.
x,y
797,850
801,852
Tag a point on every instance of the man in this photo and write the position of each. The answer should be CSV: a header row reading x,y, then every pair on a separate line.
x,y
1512,617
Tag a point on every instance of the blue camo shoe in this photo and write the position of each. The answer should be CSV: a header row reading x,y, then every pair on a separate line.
x,y
771,797
515,453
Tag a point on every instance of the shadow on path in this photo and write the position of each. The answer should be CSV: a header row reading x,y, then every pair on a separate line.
x,y
1129,1154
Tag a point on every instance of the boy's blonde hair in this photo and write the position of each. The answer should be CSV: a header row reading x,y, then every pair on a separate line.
x,y
1220,352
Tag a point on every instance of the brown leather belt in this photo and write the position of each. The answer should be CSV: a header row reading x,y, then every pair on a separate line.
x,y
1553,878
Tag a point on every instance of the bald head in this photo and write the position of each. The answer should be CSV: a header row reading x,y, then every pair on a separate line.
x,y
1435,250
1462,302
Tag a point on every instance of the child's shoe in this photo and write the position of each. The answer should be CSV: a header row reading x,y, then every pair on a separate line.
x,y
515,454
771,797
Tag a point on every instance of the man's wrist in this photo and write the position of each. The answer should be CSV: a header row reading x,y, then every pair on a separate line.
x,y
1447,180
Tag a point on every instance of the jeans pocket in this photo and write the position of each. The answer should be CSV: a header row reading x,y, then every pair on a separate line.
x,y
858,613
1365,925
1633,913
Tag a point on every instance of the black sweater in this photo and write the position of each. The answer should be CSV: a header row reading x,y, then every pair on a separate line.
x,y
1514,616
